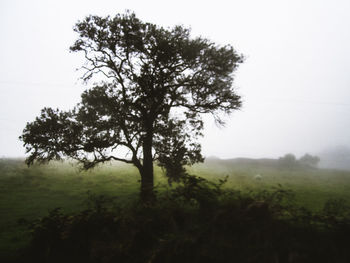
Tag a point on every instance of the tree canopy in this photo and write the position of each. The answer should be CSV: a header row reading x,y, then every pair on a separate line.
x,y
152,86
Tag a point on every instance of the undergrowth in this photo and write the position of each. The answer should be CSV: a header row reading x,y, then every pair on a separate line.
x,y
196,221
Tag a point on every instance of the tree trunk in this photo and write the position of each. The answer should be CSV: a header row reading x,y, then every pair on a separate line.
x,y
147,184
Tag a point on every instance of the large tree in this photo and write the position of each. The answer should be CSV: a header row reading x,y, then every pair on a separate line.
x,y
154,85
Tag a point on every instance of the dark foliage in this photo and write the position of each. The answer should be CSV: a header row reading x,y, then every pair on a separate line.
x,y
198,221
156,85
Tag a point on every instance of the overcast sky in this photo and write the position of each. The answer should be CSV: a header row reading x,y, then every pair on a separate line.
x,y
295,81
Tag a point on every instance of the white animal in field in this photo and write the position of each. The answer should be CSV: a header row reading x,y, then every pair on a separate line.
x,y
258,177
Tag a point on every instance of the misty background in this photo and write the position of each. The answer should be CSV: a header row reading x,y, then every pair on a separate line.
x,y
295,81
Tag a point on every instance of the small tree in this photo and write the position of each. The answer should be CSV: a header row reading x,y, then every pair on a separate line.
x,y
157,84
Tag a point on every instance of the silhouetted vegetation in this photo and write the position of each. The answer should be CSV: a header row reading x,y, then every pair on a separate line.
x,y
198,221
156,85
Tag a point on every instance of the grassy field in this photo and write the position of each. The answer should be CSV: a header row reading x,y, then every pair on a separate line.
x,y
28,193
312,187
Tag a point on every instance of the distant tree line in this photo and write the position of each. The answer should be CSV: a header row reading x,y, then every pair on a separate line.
x,y
290,161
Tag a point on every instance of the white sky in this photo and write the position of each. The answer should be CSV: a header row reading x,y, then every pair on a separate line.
x,y
295,81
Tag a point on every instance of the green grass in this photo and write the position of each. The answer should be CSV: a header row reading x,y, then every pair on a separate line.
x,y
312,187
30,193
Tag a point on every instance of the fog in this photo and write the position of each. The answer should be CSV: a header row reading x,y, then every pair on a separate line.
x,y
294,81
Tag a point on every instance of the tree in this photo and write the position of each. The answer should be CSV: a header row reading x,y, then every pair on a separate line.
x,y
309,160
288,161
154,86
